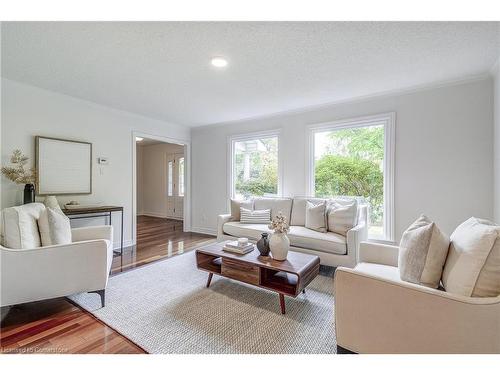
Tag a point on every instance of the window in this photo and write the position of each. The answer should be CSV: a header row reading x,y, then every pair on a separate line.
x,y
181,177
170,178
354,158
254,167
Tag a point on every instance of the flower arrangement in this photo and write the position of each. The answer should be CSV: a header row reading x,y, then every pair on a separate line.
x,y
17,173
278,224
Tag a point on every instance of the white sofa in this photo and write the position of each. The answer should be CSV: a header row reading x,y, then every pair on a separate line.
x,y
333,249
376,312
33,274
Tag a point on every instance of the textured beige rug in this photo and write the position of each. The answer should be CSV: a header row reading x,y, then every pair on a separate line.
x,y
165,308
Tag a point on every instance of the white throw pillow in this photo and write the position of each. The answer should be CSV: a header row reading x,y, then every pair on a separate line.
x,y
316,216
55,228
236,205
422,253
255,217
473,264
342,215
19,226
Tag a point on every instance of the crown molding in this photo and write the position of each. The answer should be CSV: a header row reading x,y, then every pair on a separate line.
x,y
358,99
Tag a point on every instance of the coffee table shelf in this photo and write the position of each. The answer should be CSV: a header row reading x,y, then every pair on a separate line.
x,y
289,277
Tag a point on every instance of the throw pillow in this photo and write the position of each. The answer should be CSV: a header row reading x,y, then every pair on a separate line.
x,y
316,216
255,217
19,226
236,205
342,215
472,268
55,228
422,253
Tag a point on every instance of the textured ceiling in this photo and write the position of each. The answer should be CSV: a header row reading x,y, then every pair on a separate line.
x,y
162,69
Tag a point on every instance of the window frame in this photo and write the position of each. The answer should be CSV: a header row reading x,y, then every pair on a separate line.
x,y
232,139
389,122
180,176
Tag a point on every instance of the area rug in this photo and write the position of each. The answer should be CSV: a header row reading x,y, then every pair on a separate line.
x,y
165,307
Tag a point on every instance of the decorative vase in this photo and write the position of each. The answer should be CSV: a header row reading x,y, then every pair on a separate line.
x,y
279,244
29,193
263,245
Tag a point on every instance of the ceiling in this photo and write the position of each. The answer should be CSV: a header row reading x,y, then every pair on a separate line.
x,y
162,69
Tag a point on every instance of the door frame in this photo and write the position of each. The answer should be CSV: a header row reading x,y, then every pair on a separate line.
x,y
187,178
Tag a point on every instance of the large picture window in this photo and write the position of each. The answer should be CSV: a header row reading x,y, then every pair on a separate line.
x,y
254,169
354,158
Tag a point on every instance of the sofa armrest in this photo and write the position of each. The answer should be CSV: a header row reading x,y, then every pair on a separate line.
x,y
354,237
377,315
370,252
101,232
221,220
54,271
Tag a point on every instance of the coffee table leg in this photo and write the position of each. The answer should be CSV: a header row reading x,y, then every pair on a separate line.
x,y
282,303
209,279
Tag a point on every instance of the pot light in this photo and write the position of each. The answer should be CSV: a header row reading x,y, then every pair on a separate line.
x,y
219,62
139,139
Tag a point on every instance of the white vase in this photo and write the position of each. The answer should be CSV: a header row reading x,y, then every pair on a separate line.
x,y
279,245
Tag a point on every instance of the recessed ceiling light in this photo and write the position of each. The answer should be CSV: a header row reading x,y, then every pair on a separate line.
x,y
139,139
219,62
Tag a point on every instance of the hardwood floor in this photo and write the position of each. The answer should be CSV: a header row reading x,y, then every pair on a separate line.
x,y
59,326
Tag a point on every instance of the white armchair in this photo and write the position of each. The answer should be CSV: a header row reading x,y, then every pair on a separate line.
x,y
61,270
376,312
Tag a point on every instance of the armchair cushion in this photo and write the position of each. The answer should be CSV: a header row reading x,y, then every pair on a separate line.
x,y
54,226
19,226
470,270
423,251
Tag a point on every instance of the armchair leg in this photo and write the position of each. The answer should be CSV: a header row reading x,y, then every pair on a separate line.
x,y
342,350
102,294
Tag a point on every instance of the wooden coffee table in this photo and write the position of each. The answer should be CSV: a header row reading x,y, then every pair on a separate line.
x,y
289,277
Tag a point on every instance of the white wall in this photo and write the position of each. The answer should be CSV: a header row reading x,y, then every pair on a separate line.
x,y
444,154
28,111
496,189
154,177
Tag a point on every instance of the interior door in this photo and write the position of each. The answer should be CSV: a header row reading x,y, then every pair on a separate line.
x,y
175,186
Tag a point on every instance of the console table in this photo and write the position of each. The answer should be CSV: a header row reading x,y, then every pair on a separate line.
x,y
98,211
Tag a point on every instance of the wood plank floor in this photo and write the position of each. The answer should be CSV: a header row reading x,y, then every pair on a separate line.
x,y
59,326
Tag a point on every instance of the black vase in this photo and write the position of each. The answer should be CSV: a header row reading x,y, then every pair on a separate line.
x,y
29,193
263,245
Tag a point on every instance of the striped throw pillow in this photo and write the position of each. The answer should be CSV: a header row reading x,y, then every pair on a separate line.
x,y
342,215
255,217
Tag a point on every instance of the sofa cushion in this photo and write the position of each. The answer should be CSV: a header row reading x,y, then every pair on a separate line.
x,y
471,245
309,239
316,216
342,215
298,216
299,237
277,205
250,231
422,253
55,228
236,206
19,226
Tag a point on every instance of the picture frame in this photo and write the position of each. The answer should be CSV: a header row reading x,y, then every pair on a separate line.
x,y
64,166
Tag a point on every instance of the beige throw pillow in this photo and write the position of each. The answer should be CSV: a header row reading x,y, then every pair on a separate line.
x,y
236,205
472,268
54,226
316,216
422,253
342,215
255,216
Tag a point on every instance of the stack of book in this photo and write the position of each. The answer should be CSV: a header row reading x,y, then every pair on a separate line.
x,y
233,247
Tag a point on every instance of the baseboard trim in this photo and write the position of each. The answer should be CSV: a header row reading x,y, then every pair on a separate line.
x,y
209,231
162,216
117,244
